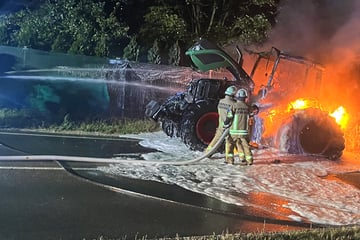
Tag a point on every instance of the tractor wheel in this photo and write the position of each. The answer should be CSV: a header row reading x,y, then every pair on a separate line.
x,y
198,125
311,131
169,127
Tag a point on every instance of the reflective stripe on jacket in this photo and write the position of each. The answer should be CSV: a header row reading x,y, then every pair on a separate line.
x,y
240,116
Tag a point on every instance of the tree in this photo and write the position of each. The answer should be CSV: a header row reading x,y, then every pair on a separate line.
x,y
163,25
214,18
154,53
252,29
175,54
131,51
80,27
102,27
8,25
218,20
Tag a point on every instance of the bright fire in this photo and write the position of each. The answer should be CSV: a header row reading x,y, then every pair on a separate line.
x,y
299,104
341,116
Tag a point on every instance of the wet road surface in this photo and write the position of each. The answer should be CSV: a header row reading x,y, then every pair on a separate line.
x,y
67,200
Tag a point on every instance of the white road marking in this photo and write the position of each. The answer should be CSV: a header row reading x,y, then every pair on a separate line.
x,y
62,136
42,168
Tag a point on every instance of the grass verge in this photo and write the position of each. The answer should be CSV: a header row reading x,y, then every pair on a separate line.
x,y
106,127
340,233
29,120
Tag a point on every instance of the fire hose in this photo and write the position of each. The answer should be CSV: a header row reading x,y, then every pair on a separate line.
x,y
107,160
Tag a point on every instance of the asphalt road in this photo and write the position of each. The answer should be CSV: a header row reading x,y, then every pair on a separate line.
x,y
64,200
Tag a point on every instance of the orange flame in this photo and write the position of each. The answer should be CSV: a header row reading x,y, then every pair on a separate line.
x,y
341,116
299,104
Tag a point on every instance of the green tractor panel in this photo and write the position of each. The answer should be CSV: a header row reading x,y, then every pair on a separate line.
x,y
192,115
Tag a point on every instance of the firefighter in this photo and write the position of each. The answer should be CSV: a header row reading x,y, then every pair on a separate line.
x,y
223,106
238,121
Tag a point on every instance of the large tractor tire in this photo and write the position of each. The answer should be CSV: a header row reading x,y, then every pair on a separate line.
x,y
169,127
198,125
311,131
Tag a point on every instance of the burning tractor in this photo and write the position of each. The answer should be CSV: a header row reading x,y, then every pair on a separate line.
x,y
275,81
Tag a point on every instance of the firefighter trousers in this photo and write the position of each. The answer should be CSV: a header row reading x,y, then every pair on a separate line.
x,y
243,149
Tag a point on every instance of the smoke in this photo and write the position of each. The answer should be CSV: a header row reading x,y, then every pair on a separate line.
x,y
327,31
314,28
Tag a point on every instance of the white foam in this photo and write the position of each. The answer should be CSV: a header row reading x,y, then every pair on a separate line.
x,y
298,180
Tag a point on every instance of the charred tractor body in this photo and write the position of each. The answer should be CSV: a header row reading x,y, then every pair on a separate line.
x,y
192,115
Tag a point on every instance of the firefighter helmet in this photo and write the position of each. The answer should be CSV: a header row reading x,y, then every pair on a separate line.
x,y
241,93
230,91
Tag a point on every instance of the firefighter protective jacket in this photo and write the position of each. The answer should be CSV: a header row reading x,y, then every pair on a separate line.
x,y
223,107
239,114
